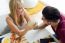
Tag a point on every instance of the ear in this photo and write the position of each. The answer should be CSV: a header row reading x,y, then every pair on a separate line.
x,y
58,20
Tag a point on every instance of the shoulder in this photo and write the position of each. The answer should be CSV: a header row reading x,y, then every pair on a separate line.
x,y
8,18
62,24
62,21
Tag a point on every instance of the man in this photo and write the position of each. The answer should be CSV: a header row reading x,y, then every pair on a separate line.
x,y
51,16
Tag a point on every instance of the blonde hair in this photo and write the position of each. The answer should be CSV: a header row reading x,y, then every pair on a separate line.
x,y
13,5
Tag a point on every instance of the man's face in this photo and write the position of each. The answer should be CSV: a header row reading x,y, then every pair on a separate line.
x,y
54,23
50,22
45,21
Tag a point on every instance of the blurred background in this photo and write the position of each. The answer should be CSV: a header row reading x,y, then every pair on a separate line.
x,y
4,8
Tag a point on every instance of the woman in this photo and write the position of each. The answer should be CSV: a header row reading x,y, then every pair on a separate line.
x,y
17,13
17,19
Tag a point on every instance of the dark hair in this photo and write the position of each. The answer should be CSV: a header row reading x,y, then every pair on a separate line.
x,y
51,13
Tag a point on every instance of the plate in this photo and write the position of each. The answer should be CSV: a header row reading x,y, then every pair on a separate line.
x,y
6,40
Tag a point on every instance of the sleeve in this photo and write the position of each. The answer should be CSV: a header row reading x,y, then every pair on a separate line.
x,y
62,32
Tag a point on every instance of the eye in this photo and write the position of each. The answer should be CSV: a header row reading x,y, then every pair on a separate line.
x,y
43,18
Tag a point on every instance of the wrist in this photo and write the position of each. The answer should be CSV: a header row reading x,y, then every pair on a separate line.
x,y
22,32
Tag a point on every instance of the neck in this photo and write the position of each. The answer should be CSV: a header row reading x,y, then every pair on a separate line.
x,y
55,27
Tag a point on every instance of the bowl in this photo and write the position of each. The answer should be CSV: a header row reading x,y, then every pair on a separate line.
x,y
6,40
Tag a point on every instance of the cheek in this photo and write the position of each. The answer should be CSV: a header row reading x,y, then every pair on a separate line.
x,y
53,24
19,11
49,23
45,22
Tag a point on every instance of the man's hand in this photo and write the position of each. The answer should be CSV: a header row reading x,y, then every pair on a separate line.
x,y
41,26
30,25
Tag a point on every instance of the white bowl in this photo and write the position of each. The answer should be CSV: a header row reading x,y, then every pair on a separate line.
x,y
29,3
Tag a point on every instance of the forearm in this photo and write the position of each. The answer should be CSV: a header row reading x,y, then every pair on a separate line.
x,y
29,26
12,26
15,29
41,26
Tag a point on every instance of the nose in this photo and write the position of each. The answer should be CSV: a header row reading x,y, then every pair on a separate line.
x,y
42,18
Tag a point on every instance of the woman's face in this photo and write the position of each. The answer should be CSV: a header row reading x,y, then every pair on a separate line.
x,y
19,11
